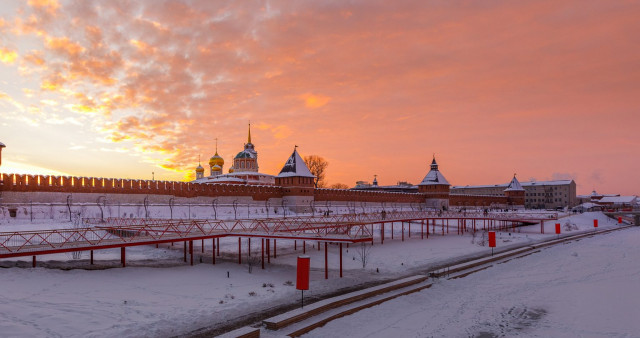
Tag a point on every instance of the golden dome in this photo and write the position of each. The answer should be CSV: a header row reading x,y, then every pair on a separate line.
x,y
199,169
216,160
231,170
216,168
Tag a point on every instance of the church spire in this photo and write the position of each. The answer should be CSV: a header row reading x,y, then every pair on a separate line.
x,y
249,139
434,164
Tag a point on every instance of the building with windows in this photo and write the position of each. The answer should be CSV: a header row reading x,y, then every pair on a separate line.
x,y
538,194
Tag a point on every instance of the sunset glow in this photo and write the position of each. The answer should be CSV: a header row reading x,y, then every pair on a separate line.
x,y
544,89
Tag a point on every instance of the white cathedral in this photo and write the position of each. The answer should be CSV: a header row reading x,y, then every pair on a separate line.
x,y
244,170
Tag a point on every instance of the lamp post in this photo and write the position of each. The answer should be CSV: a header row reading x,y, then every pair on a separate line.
x,y
1,146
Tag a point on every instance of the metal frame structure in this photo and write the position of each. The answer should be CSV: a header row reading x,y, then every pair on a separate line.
x,y
342,228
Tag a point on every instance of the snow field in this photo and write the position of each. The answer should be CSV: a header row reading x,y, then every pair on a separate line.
x,y
159,295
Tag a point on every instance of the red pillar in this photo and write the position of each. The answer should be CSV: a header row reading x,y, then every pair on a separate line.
x,y
185,251
249,242
239,250
191,251
422,229
340,260
262,254
34,261
123,258
91,257
295,245
202,245
213,250
382,233
326,262
304,247
268,251
218,245
392,230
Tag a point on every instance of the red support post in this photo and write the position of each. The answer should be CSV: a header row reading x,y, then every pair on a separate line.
x,y
295,245
213,250
326,262
202,245
249,243
218,245
422,229
239,250
34,261
392,230
262,254
185,251
268,251
91,257
123,258
304,247
382,233
191,252
340,260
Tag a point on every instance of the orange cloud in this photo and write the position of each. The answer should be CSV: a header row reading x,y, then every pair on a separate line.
x,y
35,57
64,45
7,56
50,6
314,101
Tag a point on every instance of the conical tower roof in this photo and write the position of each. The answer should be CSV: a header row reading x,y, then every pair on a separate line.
x,y
434,177
514,185
295,167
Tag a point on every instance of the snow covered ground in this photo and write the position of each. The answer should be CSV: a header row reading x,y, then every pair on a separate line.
x,y
587,288
159,295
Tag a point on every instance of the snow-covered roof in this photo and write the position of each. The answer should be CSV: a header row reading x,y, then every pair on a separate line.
x,y
246,154
2,145
434,177
523,184
295,167
618,199
514,185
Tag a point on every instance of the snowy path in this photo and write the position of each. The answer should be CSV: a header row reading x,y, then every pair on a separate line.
x,y
587,288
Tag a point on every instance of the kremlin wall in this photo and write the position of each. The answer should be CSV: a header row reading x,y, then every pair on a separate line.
x,y
241,193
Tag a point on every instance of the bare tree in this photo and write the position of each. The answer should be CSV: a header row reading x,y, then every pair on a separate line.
x,y
363,253
317,165
339,186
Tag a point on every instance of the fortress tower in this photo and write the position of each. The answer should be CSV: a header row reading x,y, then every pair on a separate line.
x,y
515,193
297,182
435,188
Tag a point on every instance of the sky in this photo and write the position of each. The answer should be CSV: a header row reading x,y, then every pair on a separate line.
x,y
544,89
